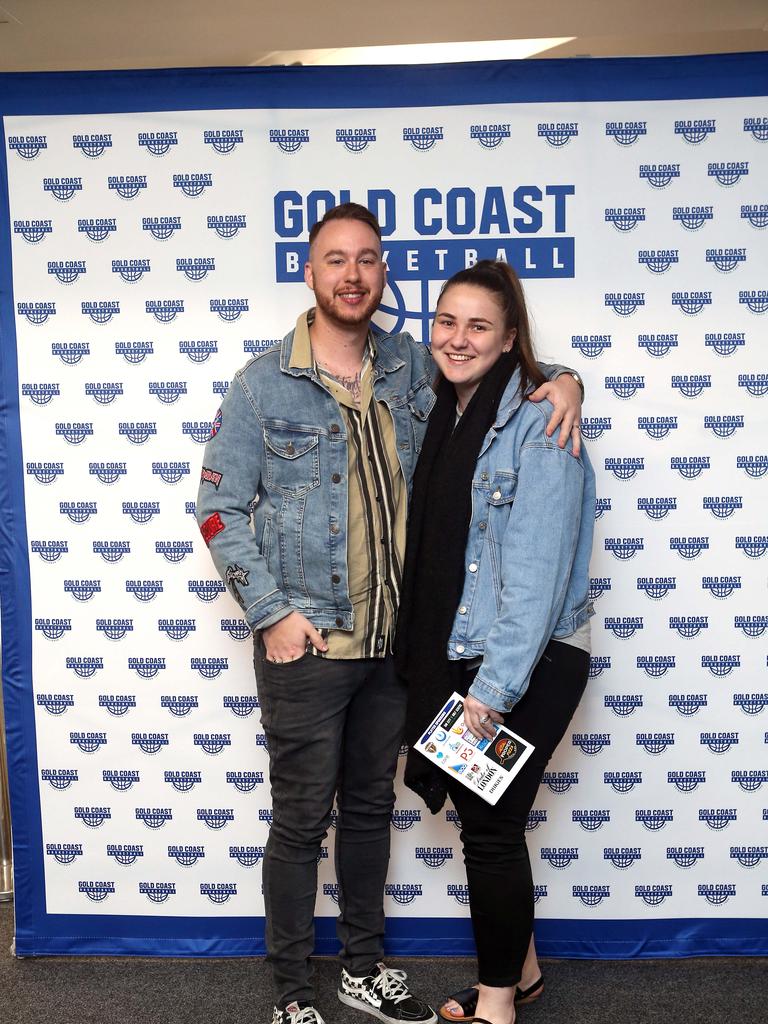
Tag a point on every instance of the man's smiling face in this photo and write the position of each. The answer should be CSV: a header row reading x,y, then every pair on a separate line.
x,y
346,272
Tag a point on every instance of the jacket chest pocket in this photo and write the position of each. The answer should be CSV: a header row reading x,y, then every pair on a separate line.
x,y
500,496
292,460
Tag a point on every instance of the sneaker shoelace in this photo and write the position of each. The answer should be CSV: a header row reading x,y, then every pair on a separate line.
x,y
392,984
306,1015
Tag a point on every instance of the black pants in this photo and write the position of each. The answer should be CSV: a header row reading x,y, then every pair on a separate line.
x,y
495,852
333,730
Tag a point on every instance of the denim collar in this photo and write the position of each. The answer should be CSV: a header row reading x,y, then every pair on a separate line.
x,y
296,352
510,401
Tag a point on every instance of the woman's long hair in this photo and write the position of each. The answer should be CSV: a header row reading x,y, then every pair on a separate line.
x,y
503,283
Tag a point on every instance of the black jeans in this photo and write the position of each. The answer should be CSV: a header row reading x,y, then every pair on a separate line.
x,y
333,729
495,852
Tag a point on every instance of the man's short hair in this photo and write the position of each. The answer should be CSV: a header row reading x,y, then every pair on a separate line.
x,y
346,211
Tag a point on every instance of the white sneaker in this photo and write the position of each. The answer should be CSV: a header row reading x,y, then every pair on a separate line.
x,y
384,994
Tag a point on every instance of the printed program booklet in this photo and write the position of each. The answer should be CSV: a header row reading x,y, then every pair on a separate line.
x,y
485,766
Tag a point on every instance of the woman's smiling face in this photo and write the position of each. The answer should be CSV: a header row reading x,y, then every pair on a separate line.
x,y
468,336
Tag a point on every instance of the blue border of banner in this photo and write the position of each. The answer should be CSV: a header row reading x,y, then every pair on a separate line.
x,y
39,933
15,599
405,936
529,81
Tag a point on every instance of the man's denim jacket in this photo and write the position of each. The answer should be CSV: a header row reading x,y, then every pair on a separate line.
x,y
272,503
280,454
527,557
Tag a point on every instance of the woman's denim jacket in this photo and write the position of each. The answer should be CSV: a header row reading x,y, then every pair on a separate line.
x,y
527,558
279,452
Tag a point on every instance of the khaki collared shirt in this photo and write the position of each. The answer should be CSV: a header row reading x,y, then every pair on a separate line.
x,y
377,507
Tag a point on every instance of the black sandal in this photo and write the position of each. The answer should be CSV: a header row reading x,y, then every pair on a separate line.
x,y
523,996
467,1000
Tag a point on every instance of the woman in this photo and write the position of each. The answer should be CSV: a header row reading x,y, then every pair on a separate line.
x,y
495,603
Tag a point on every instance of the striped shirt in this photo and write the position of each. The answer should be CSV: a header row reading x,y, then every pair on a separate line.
x,y
377,508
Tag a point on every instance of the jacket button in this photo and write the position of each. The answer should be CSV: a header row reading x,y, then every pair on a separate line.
x,y
290,448
459,648
463,610
336,478
482,526
483,476
473,566
335,428
496,495
339,621
335,529
509,704
335,578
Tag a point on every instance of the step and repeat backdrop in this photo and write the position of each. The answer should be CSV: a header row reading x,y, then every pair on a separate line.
x,y
155,228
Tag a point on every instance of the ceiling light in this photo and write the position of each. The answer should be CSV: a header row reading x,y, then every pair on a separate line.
x,y
422,53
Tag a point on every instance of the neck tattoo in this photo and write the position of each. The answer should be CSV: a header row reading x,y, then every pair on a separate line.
x,y
350,382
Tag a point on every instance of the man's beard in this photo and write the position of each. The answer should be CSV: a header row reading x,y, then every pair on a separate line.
x,y
335,309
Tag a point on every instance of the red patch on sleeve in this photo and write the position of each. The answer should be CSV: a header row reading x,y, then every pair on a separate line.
x,y
211,527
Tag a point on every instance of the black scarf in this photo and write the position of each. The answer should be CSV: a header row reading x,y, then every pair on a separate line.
x,y
433,577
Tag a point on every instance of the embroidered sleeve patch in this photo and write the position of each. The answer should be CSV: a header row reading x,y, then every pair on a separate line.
x,y
211,527
237,574
210,476
216,425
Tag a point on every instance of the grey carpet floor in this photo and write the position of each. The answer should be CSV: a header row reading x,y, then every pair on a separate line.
x,y
73,990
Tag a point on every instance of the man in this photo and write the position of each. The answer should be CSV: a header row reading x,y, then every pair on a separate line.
x,y
318,439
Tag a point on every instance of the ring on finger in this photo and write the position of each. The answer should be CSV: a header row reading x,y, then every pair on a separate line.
x,y
484,719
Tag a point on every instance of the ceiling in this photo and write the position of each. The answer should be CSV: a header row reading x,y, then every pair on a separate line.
x,y
68,35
